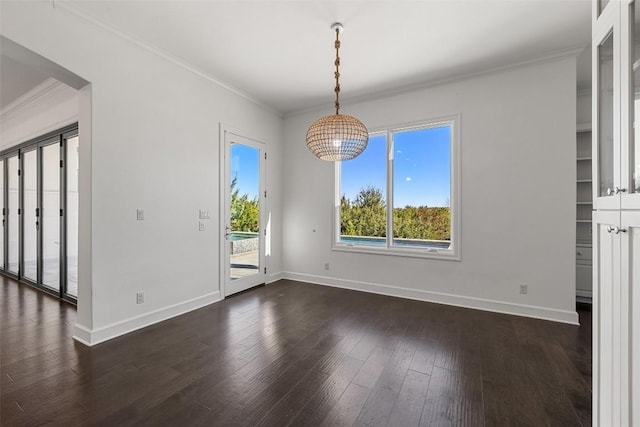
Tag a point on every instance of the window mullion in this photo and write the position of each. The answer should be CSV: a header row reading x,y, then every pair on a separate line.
x,y
389,189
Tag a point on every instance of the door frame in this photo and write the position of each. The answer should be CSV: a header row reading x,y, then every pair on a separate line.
x,y
227,134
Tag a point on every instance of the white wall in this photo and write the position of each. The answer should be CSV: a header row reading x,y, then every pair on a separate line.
x,y
518,196
149,141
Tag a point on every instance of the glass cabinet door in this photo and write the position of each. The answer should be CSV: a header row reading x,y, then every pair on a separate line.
x,y
606,85
629,188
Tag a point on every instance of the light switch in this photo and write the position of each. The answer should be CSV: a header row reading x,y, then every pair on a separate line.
x,y
140,214
201,226
204,214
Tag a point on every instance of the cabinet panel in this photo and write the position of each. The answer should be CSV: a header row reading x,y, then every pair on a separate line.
x,y
630,271
606,320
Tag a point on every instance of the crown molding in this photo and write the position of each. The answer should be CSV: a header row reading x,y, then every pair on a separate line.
x,y
48,89
164,55
553,56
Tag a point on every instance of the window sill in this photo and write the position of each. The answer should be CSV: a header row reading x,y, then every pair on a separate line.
x,y
440,254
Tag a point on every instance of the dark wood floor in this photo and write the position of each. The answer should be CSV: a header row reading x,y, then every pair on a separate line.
x,y
295,354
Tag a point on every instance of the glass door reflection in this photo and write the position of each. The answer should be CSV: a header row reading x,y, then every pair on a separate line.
x,y
71,214
12,218
50,216
4,212
30,215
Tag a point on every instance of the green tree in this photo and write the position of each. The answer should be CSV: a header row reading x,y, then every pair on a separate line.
x,y
366,216
245,213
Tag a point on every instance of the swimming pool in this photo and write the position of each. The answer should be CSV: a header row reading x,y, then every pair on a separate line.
x,y
405,243
242,235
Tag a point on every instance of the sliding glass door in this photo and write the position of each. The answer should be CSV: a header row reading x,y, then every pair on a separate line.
x,y
39,239
12,219
50,215
29,213
72,162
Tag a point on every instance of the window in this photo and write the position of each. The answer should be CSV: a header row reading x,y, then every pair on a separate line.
x,y
400,196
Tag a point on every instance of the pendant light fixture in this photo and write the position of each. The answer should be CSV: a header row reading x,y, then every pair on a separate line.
x,y
337,137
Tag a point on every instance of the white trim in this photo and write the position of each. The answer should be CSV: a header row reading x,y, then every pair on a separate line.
x,y
536,312
271,278
226,134
46,90
96,336
350,100
453,121
164,55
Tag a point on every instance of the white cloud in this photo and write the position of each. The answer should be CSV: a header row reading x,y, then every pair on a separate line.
x,y
408,178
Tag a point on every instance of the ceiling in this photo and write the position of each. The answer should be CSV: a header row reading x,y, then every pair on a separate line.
x,y
16,79
280,53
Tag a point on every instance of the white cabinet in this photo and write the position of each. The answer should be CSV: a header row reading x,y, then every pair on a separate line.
x,y
616,219
616,106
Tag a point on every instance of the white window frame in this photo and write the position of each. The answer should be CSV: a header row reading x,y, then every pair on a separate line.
x,y
453,252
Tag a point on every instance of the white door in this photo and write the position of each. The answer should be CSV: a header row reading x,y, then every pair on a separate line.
x,y
244,226
606,109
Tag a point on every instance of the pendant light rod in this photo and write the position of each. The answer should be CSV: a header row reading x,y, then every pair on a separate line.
x,y
338,28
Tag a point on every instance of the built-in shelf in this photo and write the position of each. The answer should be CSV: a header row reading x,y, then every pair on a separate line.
x,y
584,208
583,127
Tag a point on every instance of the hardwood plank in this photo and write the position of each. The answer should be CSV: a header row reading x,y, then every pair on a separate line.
x,y
346,410
407,408
292,353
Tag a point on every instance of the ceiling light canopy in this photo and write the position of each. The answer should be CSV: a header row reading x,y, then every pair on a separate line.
x,y
337,137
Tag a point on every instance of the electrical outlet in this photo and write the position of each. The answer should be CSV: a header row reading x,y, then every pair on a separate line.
x,y
326,265
523,288
139,297
201,226
140,214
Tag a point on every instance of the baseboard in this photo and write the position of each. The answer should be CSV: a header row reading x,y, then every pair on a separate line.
x,y
105,333
570,317
274,277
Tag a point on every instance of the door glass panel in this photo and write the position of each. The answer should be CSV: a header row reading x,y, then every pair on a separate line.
x,y
72,215
245,211
30,203
12,214
605,117
634,153
51,216
601,5
3,214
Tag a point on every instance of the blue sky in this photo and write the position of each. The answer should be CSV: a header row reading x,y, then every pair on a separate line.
x,y
421,168
245,165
